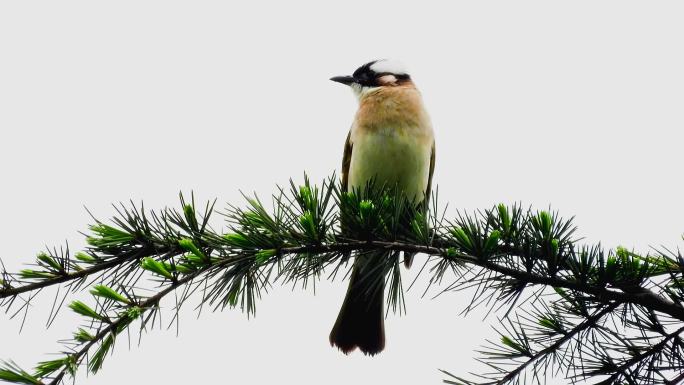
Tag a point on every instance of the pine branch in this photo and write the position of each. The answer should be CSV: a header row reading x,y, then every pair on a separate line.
x,y
14,291
643,297
621,372
114,326
554,347
507,255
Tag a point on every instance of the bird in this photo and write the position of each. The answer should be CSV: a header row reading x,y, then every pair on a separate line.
x,y
391,141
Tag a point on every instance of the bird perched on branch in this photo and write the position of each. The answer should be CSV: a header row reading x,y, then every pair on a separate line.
x,y
390,141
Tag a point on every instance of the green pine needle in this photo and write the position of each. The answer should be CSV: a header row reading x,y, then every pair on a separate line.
x,y
108,236
264,255
492,241
85,258
36,274
98,357
156,267
11,372
85,310
504,217
514,345
45,368
51,262
238,240
83,335
462,238
109,293
188,245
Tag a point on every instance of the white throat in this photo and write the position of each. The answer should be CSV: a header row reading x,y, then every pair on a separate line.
x,y
361,91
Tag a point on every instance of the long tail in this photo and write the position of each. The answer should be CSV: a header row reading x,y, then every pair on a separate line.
x,y
361,322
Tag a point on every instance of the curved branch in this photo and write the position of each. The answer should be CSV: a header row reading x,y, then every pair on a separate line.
x,y
584,325
129,256
644,298
144,306
645,354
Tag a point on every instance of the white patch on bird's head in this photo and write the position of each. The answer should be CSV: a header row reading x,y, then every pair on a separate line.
x,y
389,66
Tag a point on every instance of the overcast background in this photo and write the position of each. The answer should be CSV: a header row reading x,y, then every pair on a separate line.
x,y
577,105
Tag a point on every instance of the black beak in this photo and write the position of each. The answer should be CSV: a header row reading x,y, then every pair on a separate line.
x,y
344,79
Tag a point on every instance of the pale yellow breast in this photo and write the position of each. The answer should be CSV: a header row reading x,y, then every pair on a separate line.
x,y
392,141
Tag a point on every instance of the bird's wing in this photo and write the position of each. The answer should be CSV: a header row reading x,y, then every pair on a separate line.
x,y
346,161
408,257
432,171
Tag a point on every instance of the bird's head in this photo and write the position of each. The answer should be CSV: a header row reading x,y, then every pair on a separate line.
x,y
376,75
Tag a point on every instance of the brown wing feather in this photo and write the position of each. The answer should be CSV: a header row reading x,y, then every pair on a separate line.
x,y
432,171
408,257
346,161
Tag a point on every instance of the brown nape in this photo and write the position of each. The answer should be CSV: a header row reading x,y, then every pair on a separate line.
x,y
405,82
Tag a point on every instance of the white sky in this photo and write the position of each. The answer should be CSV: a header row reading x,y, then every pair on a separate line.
x,y
574,105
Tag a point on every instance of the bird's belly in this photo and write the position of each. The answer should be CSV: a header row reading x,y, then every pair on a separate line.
x,y
394,159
